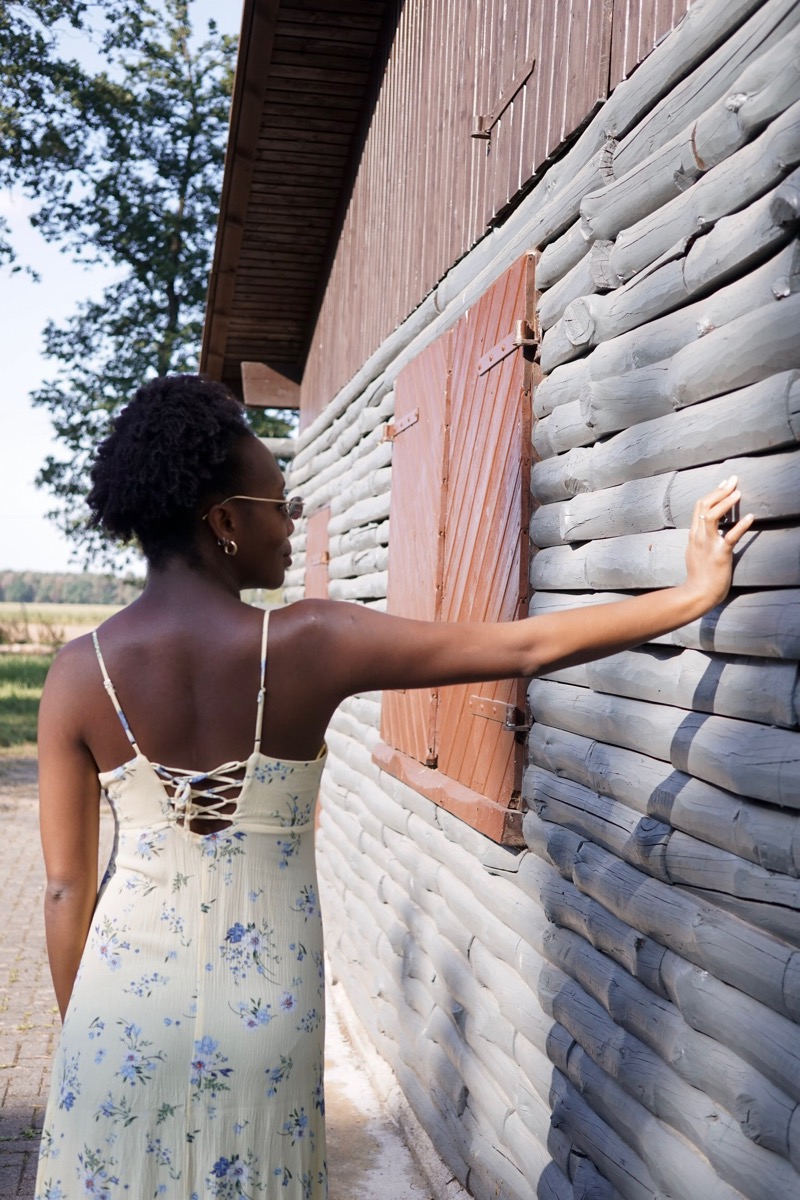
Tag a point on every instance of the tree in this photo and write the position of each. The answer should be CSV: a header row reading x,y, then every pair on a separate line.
x,y
36,84
127,173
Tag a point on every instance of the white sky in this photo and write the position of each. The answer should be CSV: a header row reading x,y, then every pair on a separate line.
x,y
28,541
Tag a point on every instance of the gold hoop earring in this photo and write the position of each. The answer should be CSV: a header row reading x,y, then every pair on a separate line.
x,y
228,546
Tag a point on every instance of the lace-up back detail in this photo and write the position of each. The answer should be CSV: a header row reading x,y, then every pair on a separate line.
x,y
195,799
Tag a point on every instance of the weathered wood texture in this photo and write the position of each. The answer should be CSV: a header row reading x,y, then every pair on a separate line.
x,y
533,74
613,1011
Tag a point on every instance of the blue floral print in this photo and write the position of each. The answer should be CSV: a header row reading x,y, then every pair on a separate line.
x,y
138,1064
306,902
109,944
69,1086
249,947
209,1073
234,1176
255,1014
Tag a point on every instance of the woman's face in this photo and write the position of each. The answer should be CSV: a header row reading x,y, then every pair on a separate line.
x,y
261,531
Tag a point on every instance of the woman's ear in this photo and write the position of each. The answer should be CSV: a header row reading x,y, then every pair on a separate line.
x,y
221,521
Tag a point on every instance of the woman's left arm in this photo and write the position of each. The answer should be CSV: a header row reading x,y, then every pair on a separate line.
x,y
69,815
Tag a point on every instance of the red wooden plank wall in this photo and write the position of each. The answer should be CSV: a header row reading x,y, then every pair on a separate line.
x,y
425,190
317,555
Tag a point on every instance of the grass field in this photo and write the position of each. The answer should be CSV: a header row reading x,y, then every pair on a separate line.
x,y
21,680
49,625
29,636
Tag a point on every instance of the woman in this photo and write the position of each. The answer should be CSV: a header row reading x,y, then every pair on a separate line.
x,y
190,1063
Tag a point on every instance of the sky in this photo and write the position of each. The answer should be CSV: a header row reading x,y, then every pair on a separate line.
x,y
28,541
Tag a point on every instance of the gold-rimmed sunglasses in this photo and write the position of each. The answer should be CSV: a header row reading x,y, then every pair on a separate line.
x,y
291,508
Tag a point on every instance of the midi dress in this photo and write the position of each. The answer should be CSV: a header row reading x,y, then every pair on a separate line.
x,y
190,1063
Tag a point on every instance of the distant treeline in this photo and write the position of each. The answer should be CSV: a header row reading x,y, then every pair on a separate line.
x,y
44,587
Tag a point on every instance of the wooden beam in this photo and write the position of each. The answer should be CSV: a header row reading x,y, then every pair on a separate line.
x,y
259,22
264,387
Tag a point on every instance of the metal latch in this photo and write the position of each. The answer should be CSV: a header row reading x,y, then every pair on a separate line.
x,y
507,715
320,560
521,335
391,431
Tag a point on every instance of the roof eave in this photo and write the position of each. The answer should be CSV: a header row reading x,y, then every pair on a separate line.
x,y
256,42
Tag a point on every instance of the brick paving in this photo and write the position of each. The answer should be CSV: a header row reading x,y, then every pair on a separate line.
x,y
29,1021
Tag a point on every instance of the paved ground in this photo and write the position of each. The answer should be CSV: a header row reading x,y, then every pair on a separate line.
x,y
367,1158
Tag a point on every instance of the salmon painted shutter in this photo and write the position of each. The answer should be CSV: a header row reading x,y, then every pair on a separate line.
x,y
416,539
485,570
317,555
459,549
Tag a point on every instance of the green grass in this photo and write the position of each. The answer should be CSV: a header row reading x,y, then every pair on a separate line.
x,y
48,626
21,681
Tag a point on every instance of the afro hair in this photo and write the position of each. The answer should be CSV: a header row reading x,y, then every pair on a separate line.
x,y
169,449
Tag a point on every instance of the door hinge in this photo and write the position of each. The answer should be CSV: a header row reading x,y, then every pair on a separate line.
x,y
391,431
521,335
507,715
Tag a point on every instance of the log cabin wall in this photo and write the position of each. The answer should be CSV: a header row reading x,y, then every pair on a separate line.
x,y
611,1011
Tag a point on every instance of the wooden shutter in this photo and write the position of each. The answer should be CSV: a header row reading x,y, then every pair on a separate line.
x,y
472,562
317,555
416,540
485,573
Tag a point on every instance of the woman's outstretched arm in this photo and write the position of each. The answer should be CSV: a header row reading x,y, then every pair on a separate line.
x,y
368,650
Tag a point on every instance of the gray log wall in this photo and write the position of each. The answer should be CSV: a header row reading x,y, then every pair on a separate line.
x,y
613,1012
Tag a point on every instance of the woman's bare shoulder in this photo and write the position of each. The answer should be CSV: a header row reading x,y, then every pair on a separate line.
x,y
73,661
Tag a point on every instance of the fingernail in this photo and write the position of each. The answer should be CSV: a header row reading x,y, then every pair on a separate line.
x,y
722,483
733,479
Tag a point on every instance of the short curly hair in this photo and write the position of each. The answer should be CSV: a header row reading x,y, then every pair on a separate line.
x,y
169,449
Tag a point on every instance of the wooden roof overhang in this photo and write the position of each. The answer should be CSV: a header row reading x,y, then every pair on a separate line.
x,y
302,80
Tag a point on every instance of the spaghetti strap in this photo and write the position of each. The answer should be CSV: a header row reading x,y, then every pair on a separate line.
x,y
260,706
108,685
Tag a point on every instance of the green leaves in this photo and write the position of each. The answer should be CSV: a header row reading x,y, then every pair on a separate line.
x,y
125,168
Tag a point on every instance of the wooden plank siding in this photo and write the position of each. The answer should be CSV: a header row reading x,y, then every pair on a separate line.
x,y
427,180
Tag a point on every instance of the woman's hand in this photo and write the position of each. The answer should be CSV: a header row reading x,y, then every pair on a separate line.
x,y
709,553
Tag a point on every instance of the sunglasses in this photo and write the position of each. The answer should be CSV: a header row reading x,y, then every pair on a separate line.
x,y
291,508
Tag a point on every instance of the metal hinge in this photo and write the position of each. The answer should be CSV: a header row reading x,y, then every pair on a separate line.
x,y
521,335
507,715
392,430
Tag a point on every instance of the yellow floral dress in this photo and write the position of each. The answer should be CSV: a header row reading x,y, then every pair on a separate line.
x,y
190,1063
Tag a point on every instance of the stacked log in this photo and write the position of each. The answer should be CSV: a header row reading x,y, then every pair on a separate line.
x,y
664,783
